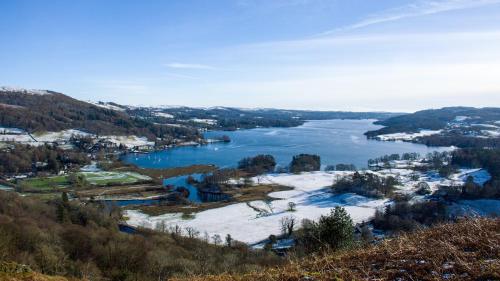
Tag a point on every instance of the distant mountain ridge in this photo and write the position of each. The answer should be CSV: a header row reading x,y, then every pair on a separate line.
x,y
45,110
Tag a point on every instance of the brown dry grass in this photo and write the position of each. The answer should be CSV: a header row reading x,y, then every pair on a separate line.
x,y
239,195
467,250
33,276
15,272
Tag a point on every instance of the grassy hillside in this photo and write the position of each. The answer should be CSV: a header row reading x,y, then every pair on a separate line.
x,y
468,250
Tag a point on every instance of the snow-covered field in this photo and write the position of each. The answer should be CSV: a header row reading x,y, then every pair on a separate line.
x,y
129,141
254,221
407,136
244,222
64,135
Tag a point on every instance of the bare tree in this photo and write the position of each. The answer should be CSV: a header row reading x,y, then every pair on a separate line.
x,y
206,237
217,239
161,226
287,225
175,231
192,232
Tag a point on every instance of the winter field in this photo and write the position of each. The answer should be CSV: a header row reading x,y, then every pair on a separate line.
x,y
254,221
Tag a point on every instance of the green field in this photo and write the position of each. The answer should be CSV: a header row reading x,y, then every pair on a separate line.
x,y
47,183
93,178
104,178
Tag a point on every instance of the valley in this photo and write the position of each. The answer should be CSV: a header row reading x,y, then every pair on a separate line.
x,y
256,178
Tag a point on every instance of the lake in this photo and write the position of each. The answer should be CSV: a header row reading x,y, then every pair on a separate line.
x,y
336,141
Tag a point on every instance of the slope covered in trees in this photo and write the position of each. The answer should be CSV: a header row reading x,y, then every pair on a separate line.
x,y
463,127
83,241
52,111
434,119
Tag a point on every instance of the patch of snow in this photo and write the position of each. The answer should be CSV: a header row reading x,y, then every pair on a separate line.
x,y
204,121
24,91
481,207
174,125
23,138
129,141
90,168
461,118
486,126
480,176
407,136
64,135
107,106
491,133
163,114
14,131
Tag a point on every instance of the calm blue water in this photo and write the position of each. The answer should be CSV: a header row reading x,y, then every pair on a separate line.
x,y
181,181
123,203
336,141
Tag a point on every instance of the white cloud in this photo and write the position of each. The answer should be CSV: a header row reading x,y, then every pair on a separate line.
x,y
179,65
420,8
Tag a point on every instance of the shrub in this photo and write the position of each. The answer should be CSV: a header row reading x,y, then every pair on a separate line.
x,y
366,184
403,216
305,163
423,188
259,164
334,231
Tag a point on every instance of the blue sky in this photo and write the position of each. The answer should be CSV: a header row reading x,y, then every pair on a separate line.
x,y
307,54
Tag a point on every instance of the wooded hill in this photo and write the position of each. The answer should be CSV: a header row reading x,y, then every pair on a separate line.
x,y
464,127
75,240
435,119
51,111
